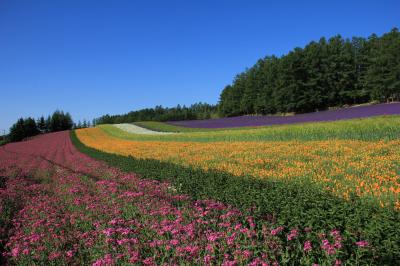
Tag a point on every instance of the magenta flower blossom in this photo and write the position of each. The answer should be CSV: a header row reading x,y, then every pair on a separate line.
x,y
362,244
149,261
328,247
15,252
307,246
292,235
277,230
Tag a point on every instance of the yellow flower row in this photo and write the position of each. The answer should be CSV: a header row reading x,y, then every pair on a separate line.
x,y
367,169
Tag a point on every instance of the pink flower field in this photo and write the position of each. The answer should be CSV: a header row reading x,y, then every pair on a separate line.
x,y
60,207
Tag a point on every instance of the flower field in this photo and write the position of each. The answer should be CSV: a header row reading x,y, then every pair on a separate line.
x,y
367,169
330,115
365,129
347,181
104,196
60,207
138,130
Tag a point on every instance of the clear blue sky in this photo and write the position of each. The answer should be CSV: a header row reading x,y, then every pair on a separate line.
x,y
96,57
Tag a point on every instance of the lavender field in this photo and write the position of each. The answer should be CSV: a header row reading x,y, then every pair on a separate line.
x,y
331,115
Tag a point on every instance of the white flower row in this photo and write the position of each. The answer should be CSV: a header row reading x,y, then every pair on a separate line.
x,y
139,130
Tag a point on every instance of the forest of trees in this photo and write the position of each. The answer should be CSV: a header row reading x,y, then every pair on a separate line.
x,y
323,74
327,73
159,113
28,127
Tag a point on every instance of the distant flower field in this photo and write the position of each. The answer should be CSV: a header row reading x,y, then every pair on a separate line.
x,y
138,130
365,129
332,115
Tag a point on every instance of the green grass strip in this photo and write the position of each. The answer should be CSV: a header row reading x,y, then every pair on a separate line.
x,y
164,127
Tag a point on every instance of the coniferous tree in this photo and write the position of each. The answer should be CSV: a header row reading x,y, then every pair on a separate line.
x,y
22,129
30,127
383,73
17,131
48,124
41,124
323,74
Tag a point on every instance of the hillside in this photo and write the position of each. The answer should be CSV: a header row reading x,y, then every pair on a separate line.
x,y
339,114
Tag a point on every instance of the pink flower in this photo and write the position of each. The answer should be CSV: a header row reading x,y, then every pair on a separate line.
x,y
247,254
277,230
193,250
329,249
213,237
335,232
122,241
207,259
174,242
292,235
149,261
106,260
35,238
134,257
362,244
307,246
54,255
251,221
109,231
15,252
98,262
229,263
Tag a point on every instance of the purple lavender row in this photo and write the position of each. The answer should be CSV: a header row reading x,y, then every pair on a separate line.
x,y
331,115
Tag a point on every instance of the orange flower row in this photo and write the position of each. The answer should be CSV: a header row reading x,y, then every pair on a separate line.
x,y
345,167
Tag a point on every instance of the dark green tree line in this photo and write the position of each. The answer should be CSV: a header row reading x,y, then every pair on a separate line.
x,y
323,74
28,127
159,113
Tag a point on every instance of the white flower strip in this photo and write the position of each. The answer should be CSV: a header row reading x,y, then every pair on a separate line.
x,y
130,128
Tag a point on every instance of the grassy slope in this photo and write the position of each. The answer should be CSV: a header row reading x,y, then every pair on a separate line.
x,y
369,129
290,203
164,127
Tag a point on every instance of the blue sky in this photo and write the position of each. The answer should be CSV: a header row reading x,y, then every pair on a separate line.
x,y
96,57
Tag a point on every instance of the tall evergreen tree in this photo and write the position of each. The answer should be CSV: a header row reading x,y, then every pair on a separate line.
x,y
48,124
30,127
41,124
17,131
383,73
323,74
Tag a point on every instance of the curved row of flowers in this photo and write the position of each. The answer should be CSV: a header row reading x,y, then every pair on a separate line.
x,y
344,167
65,208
